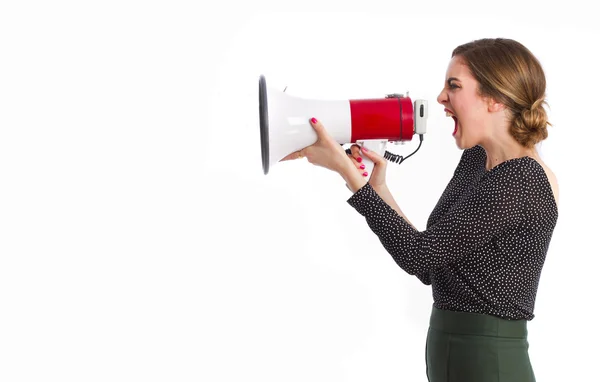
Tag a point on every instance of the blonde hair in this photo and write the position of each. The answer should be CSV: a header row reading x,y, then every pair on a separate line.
x,y
510,74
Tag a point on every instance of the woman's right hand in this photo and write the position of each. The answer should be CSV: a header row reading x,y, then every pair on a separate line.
x,y
377,179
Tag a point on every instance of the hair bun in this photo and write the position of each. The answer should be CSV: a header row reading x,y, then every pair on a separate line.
x,y
530,125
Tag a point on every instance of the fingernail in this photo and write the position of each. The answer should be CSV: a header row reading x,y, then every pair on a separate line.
x,y
362,166
359,159
313,120
364,149
365,173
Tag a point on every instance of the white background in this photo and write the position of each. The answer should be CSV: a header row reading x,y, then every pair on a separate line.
x,y
141,241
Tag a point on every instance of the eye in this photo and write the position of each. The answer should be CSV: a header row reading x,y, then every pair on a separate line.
x,y
453,86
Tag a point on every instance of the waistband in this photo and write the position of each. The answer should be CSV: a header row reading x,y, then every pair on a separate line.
x,y
476,324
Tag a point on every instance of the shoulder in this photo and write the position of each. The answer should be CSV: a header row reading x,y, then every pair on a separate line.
x,y
531,177
523,172
545,176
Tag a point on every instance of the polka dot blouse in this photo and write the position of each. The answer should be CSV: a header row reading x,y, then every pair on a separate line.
x,y
486,239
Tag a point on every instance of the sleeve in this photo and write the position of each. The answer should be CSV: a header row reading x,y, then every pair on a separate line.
x,y
496,205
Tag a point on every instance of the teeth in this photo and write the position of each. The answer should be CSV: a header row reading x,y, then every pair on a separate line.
x,y
448,114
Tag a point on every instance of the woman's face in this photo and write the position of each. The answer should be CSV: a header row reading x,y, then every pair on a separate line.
x,y
462,102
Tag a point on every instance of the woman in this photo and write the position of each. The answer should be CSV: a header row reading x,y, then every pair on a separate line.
x,y
487,237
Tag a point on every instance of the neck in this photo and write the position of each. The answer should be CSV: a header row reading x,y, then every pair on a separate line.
x,y
501,151
499,145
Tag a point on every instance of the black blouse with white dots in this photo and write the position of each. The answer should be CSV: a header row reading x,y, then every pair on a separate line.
x,y
486,239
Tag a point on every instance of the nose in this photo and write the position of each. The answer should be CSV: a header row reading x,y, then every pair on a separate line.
x,y
442,97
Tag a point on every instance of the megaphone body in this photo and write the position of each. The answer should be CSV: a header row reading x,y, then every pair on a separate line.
x,y
372,123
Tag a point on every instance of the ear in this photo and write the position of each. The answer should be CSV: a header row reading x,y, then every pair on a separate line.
x,y
494,106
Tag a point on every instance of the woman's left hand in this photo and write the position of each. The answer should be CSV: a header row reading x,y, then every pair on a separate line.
x,y
325,152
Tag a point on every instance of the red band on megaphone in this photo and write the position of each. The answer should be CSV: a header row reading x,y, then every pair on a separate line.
x,y
389,118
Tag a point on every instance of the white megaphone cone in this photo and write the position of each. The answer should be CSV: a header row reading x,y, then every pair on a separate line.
x,y
285,127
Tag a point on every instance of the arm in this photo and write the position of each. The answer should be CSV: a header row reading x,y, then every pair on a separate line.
x,y
387,197
355,182
496,205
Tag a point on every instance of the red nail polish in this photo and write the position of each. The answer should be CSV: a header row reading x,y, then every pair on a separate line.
x,y
362,166
314,120
364,149
359,159
365,173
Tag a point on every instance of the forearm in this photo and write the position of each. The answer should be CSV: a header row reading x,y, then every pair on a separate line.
x,y
400,239
355,182
386,195
353,179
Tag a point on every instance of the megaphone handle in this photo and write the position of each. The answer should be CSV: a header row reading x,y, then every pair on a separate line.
x,y
376,145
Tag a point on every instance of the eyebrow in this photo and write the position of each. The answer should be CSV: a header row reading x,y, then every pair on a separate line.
x,y
452,79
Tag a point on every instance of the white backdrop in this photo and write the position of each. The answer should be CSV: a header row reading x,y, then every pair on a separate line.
x,y
141,241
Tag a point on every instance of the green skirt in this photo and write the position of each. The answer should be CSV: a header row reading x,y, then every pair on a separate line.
x,y
471,347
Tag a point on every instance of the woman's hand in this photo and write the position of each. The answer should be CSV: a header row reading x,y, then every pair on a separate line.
x,y
357,159
377,179
328,153
325,152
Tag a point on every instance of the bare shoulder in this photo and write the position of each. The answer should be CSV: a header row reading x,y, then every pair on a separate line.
x,y
551,178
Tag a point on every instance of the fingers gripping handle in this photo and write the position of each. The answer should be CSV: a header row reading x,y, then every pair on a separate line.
x,y
375,145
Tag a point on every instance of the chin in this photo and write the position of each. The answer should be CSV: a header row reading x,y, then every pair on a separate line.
x,y
459,143
465,144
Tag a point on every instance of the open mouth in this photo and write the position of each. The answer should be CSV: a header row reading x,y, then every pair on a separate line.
x,y
455,125
450,114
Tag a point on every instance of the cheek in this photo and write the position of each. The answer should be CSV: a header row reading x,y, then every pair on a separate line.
x,y
470,115
459,105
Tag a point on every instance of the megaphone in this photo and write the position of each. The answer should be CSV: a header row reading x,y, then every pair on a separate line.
x,y
372,123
